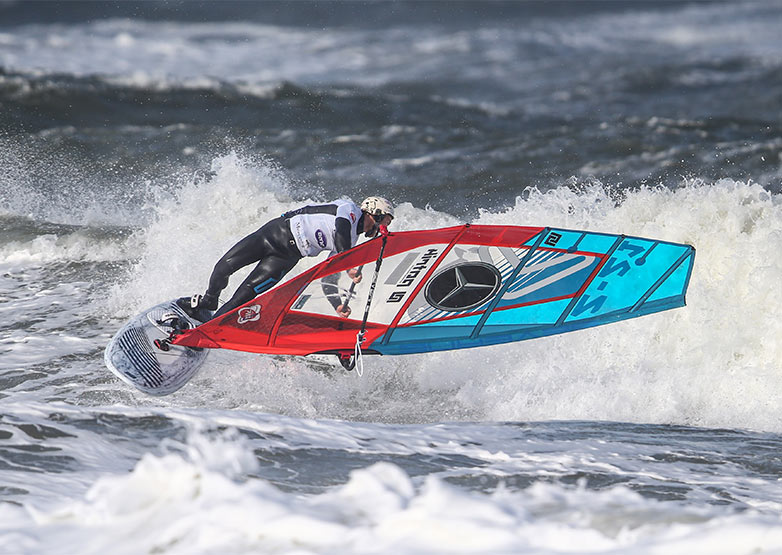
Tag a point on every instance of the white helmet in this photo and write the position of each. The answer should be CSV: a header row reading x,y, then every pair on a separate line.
x,y
377,206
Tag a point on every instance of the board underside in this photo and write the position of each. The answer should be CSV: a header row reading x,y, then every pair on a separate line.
x,y
133,357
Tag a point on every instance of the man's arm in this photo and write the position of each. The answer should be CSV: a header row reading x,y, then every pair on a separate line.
x,y
331,290
342,240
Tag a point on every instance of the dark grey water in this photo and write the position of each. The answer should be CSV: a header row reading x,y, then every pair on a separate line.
x,y
139,140
481,100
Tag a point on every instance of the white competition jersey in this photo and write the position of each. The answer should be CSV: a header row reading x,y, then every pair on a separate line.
x,y
313,226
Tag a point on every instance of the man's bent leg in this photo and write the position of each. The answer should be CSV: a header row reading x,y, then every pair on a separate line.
x,y
266,275
248,250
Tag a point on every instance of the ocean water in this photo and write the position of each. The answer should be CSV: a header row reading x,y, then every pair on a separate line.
x,y
138,141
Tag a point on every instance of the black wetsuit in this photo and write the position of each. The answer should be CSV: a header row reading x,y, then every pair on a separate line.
x,y
274,248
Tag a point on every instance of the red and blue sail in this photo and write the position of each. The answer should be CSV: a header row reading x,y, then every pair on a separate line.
x,y
459,287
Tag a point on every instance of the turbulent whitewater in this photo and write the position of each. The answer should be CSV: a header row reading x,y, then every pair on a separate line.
x,y
138,142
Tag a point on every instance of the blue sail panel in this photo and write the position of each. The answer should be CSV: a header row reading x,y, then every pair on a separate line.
x,y
597,243
424,337
556,282
631,271
581,241
537,314
560,239
549,275
676,284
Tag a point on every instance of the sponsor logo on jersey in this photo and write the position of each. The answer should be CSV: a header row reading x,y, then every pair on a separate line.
x,y
299,236
320,237
249,314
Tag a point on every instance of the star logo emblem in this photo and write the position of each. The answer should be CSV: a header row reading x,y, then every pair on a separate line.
x,y
463,286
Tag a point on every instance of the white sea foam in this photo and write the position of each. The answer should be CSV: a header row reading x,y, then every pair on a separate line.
x,y
91,466
195,225
201,501
73,246
712,363
684,366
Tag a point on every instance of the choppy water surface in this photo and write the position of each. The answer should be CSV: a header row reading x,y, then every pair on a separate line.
x,y
139,141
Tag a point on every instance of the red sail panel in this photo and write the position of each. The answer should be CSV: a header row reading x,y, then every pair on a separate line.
x,y
281,322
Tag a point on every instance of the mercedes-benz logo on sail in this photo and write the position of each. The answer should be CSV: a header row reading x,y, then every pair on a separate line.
x,y
463,286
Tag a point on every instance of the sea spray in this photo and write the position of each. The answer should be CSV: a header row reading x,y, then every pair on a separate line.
x,y
684,366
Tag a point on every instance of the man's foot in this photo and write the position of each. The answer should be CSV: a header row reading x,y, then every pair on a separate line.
x,y
196,308
205,302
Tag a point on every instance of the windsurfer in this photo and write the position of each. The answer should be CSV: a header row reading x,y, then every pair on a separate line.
x,y
279,244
